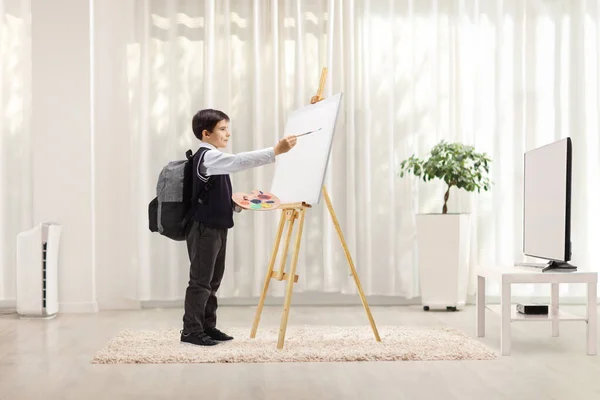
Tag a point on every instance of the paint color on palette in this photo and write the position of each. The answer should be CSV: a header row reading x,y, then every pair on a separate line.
x,y
258,200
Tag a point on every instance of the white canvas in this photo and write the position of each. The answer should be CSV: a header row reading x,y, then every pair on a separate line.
x,y
300,173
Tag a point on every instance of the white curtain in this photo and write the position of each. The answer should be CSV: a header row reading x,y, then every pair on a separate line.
x,y
15,172
257,61
505,76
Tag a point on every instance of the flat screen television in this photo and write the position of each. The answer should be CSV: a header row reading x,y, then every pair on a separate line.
x,y
547,204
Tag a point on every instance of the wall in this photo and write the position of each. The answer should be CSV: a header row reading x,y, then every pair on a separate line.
x,y
62,138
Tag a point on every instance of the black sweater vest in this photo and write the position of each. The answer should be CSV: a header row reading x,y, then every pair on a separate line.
x,y
215,207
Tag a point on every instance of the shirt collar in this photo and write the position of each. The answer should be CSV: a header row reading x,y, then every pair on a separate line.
x,y
207,145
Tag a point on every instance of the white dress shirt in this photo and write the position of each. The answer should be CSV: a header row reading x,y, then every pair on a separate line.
x,y
219,163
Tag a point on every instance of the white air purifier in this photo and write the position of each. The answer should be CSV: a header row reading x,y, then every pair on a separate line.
x,y
37,271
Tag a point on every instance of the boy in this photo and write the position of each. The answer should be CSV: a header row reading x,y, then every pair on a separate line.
x,y
207,231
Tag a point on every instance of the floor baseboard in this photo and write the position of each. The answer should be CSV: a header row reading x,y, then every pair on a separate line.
x,y
8,304
299,299
320,299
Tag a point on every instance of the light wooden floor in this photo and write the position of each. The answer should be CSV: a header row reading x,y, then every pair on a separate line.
x,y
51,360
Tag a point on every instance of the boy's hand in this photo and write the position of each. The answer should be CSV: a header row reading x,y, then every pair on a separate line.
x,y
285,145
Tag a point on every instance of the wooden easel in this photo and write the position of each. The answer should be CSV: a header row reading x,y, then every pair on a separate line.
x,y
289,214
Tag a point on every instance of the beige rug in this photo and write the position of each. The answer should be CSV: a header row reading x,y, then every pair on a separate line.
x,y
302,344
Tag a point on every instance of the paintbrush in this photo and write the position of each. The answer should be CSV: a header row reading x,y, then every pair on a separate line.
x,y
306,133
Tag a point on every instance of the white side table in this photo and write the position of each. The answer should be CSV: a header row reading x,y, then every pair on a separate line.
x,y
507,275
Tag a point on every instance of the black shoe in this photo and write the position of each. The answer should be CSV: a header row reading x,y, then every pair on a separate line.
x,y
216,334
198,338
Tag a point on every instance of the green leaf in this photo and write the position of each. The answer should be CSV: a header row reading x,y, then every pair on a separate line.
x,y
455,164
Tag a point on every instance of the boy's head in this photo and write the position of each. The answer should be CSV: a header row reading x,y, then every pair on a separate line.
x,y
211,126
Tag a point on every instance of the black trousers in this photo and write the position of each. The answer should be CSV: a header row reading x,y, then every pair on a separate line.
x,y
206,249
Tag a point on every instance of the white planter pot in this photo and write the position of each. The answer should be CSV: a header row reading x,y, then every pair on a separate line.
x,y
443,242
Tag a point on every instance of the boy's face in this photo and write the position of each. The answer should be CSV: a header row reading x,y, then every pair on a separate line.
x,y
219,136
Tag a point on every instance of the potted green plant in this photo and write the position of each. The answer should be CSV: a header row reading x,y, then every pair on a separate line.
x,y
443,239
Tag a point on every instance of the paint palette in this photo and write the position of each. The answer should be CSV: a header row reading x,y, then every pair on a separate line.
x,y
256,201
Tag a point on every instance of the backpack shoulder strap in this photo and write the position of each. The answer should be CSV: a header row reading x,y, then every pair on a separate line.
x,y
207,181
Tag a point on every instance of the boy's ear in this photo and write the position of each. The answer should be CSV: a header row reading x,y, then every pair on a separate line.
x,y
205,133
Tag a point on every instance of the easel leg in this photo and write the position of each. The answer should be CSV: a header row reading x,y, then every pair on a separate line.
x,y
290,282
350,263
291,216
263,295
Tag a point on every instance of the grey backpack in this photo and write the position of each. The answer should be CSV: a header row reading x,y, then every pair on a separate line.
x,y
170,211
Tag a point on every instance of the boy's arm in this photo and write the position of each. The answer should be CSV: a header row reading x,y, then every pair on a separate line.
x,y
218,163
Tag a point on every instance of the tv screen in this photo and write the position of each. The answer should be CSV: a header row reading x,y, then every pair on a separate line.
x,y
547,201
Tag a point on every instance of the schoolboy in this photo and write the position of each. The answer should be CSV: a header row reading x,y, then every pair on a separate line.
x,y
206,235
